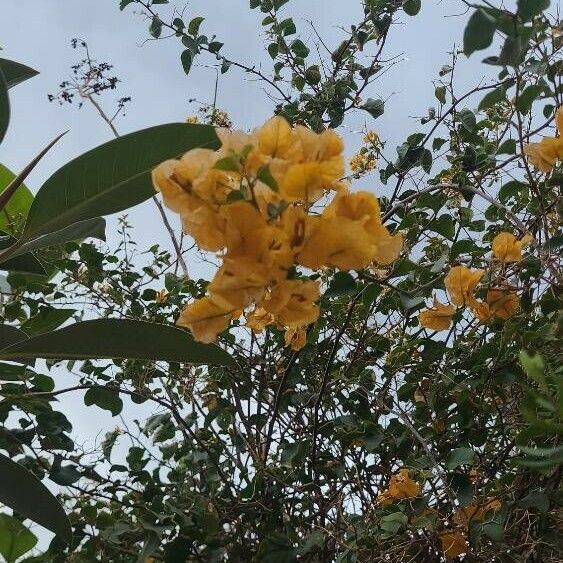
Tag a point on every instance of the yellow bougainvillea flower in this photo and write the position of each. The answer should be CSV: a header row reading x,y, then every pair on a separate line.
x,y
500,304
364,207
295,338
339,243
204,319
294,302
507,248
466,514
349,235
460,284
238,283
175,196
438,317
276,140
259,319
453,544
401,486
544,155
202,222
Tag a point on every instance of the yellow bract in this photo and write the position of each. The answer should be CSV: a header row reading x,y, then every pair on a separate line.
x,y
544,155
205,319
295,338
460,284
500,304
438,317
474,512
507,248
251,201
349,235
401,486
453,544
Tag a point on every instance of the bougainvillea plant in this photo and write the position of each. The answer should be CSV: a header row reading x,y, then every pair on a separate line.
x,y
372,370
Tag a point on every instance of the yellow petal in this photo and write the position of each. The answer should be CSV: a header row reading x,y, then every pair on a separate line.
x,y
543,155
294,302
204,319
460,284
259,319
339,243
303,182
175,196
503,304
203,222
239,283
439,317
507,248
453,544
276,140
295,338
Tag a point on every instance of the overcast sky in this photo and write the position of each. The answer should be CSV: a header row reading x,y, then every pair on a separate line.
x,y
40,34
151,73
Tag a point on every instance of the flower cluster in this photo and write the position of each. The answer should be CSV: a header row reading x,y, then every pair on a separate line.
x,y
252,202
545,154
365,160
461,283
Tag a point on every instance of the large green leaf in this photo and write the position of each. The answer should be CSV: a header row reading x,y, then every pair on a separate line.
x,y
117,339
10,335
479,32
4,107
91,228
24,262
15,539
14,72
111,177
24,493
15,211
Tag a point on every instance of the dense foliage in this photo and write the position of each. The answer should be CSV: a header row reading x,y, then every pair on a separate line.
x,y
404,404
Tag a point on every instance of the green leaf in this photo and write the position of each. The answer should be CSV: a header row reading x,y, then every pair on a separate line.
x,y
64,475
4,107
111,177
10,335
411,7
440,93
15,73
528,9
468,119
300,49
194,25
479,32
155,28
527,97
534,368
460,456
15,538
187,58
341,284
124,3
15,211
266,177
375,108
106,398
117,339
46,319
492,98
508,147
94,228
537,500
23,492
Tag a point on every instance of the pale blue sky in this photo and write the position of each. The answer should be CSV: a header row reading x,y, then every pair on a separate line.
x,y
152,75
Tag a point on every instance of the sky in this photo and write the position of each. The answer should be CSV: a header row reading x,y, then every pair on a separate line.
x,y
151,74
